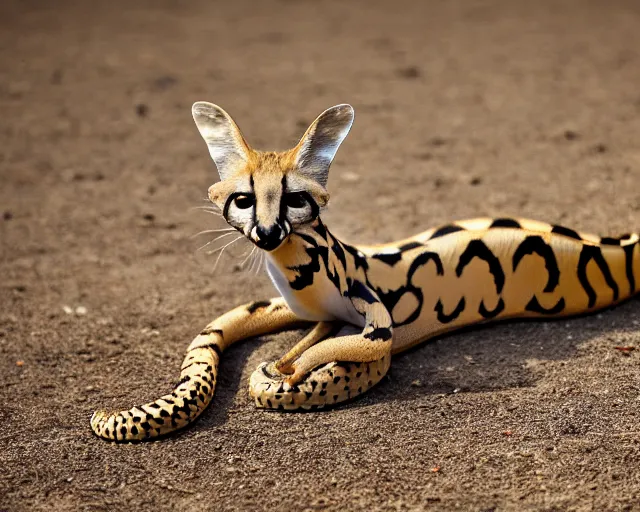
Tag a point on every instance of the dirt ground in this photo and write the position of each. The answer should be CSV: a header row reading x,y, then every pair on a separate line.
x,y
463,109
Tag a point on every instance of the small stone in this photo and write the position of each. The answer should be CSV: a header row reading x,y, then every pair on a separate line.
x,y
20,363
164,82
409,72
350,177
416,383
142,110
67,310
70,479
475,181
81,311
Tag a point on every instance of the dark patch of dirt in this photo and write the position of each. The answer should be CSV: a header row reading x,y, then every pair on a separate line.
x,y
463,109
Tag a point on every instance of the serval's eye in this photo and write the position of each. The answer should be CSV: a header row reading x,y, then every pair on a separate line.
x,y
244,202
295,200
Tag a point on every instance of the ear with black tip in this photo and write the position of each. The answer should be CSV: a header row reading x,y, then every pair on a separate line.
x,y
226,145
321,141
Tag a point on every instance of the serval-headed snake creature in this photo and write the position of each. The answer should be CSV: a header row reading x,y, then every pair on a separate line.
x,y
367,302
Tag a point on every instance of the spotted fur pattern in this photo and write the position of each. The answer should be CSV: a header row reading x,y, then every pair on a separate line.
x,y
368,302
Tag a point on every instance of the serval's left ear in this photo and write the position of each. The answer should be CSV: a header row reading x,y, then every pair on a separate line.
x,y
226,144
320,143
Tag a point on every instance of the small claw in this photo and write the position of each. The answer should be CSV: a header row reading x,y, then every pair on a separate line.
x,y
284,368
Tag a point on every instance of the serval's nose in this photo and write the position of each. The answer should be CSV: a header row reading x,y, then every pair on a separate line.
x,y
268,238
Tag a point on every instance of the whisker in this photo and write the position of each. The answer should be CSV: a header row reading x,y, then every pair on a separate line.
x,y
212,241
255,267
251,263
263,257
256,256
212,231
215,265
208,209
242,265
223,247
211,207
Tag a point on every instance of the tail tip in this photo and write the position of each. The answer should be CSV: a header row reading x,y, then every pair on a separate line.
x,y
97,422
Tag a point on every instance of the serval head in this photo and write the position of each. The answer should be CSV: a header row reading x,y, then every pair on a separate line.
x,y
263,194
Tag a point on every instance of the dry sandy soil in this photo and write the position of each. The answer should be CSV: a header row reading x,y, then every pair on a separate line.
x,y
463,109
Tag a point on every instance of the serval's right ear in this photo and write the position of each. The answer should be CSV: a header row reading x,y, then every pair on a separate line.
x,y
320,143
226,144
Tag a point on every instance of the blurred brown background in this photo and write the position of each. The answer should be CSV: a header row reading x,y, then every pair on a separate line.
x,y
463,108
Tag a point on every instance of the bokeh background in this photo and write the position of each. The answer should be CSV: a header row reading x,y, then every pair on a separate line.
x,y
463,109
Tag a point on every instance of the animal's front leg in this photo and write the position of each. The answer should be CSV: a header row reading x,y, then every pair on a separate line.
x,y
320,331
333,370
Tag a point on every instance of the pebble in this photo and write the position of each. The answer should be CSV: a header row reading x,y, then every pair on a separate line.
x,y
81,311
142,110
350,177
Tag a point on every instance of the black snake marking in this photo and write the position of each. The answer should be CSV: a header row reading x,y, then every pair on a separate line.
x,y
628,255
535,244
588,253
478,249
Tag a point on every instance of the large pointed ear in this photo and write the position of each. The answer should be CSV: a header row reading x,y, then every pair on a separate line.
x,y
321,141
227,147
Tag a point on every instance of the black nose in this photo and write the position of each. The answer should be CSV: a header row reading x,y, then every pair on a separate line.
x,y
269,238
